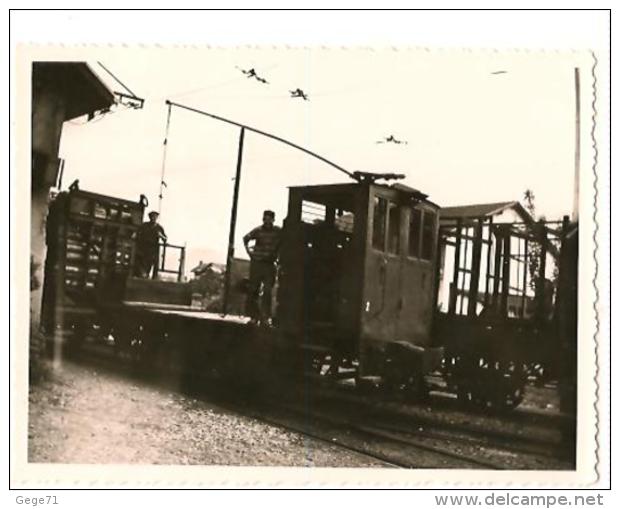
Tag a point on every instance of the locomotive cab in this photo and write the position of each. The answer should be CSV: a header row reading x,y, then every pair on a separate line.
x,y
357,273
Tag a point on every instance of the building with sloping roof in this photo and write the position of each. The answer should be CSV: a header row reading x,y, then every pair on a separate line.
x,y
467,230
61,91
505,211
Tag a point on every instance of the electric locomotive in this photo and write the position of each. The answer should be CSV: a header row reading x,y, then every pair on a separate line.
x,y
357,295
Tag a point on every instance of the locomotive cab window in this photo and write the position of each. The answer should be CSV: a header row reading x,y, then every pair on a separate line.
x,y
378,223
428,234
393,236
344,220
415,228
312,213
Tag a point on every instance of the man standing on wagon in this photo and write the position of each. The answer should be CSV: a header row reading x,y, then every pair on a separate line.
x,y
147,246
263,256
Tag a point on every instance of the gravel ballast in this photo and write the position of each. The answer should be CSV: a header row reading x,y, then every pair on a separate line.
x,y
84,414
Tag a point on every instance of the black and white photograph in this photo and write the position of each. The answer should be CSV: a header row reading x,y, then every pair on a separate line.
x,y
368,259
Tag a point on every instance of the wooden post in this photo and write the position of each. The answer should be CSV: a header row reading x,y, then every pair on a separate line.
x,y
542,270
181,264
505,274
454,286
439,264
233,224
525,270
497,268
464,270
61,172
488,271
474,277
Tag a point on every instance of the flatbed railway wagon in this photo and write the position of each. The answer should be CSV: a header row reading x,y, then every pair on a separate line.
x,y
358,291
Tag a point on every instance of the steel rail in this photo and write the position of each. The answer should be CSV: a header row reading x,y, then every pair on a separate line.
x,y
375,433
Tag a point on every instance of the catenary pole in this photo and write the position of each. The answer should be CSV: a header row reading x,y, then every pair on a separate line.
x,y
233,216
233,224
575,215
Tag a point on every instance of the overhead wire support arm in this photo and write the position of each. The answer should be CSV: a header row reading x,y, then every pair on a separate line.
x,y
131,96
266,134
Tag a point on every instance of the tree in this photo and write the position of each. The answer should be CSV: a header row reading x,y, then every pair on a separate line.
x,y
535,250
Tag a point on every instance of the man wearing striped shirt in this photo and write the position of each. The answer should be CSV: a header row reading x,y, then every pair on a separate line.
x,y
263,256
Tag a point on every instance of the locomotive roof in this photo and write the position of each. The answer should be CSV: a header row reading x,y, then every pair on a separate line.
x,y
344,188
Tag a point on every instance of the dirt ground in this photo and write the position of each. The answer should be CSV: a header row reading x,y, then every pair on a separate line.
x,y
83,414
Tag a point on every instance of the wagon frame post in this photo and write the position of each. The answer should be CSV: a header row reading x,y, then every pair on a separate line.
x,y
542,270
454,286
506,239
474,280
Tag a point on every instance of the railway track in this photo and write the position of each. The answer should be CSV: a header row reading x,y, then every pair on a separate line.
x,y
528,447
518,431
392,439
389,449
475,439
356,449
463,451
394,448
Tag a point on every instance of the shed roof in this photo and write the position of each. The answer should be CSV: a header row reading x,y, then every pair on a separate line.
x,y
483,210
75,82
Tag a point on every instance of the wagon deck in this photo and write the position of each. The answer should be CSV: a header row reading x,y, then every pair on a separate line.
x,y
186,311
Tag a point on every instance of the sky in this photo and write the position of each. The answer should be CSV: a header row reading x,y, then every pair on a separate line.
x,y
473,135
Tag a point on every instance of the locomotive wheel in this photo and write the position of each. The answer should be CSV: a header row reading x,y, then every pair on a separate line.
x,y
314,364
492,386
368,385
513,398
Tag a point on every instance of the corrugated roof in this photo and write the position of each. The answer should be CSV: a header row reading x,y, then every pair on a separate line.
x,y
477,210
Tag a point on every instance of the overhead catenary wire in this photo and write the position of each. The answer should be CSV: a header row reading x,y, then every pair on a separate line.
x,y
233,219
263,133
162,182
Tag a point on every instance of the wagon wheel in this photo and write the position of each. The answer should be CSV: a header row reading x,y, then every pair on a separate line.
x,y
123,335
513,398
472,397
511,389
494,386
77,336
128,343
490,385
416,389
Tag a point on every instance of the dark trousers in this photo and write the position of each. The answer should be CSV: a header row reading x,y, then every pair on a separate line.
x,y
262,273
146,260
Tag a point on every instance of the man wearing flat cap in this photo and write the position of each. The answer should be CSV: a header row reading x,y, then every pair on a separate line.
x,y
147,246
